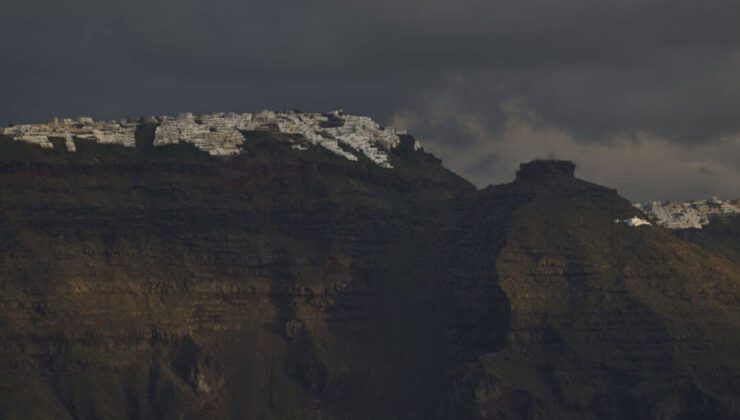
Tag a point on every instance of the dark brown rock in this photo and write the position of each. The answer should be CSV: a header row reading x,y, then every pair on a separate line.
x,y
546,171
163,283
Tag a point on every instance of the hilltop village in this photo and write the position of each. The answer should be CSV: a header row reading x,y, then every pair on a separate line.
x,y
85,128
348,136
220,134
687,215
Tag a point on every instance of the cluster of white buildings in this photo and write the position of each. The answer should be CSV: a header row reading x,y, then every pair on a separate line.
x,y
686,215
344,135
348,136
85,128
217,134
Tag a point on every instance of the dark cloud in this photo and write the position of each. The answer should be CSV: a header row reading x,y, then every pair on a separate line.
x,y
665,69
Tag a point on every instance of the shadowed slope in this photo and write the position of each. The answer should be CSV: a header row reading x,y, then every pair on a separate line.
x,y
606,320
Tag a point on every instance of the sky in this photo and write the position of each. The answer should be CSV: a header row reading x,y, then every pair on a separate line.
x,y
643,95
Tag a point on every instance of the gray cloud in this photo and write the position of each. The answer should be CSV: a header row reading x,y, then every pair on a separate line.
x,y
600,73
641,165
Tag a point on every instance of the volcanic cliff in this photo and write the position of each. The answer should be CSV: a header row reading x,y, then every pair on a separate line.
x,y
322,266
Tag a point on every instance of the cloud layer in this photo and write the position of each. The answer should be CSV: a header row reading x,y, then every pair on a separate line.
x,y
642,166
618,86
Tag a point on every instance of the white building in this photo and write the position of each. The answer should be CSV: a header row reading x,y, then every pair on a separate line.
x,y
220,134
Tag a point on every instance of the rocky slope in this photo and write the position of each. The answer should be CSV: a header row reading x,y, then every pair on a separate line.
x,y
294,282
607,320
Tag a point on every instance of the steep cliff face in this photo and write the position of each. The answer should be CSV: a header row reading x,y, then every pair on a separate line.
x,y
163,282
607,320
153,282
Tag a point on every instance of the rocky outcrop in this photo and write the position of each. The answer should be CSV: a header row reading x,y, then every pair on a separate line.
x,y
594,319
542,171
606,321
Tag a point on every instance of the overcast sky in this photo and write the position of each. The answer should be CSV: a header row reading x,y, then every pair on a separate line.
x,y
643,95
